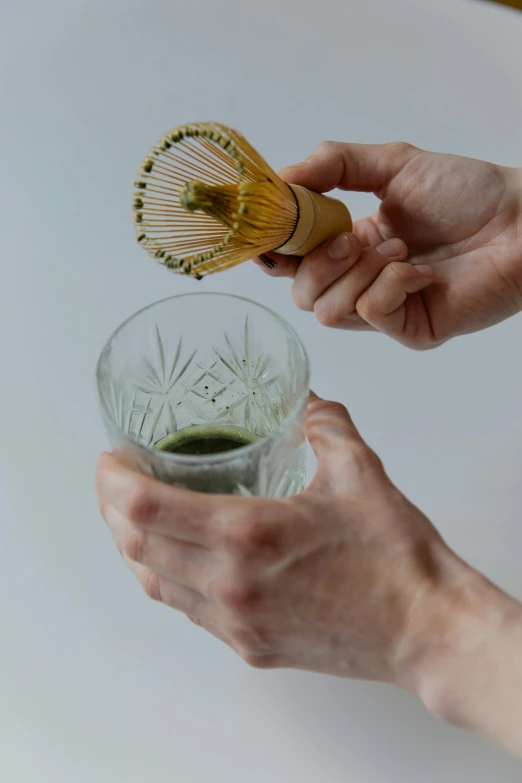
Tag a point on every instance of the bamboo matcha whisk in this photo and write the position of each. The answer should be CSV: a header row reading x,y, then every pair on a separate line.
x,y
205,200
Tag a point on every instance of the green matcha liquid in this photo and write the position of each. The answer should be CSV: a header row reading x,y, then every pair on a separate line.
x,y
206,439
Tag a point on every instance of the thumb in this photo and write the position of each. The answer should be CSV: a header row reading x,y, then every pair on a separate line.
x,y
363,167
334,438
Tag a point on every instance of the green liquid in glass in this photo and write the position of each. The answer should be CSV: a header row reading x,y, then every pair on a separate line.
x,y
206,439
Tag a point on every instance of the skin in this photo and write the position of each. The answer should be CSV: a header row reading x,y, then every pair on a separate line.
x,y
349,578
455,264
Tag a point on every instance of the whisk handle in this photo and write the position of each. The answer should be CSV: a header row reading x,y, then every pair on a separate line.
x,y
320,217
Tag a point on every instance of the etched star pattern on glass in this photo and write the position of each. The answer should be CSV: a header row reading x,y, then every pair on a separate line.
x,y
208,359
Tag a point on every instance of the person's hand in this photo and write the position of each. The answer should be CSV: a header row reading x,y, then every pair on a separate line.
x,y
329,580
441,257
348,579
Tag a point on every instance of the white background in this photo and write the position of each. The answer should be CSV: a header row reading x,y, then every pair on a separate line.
x,y
97,684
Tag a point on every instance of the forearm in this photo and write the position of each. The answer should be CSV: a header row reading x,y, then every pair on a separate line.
x,y
473,676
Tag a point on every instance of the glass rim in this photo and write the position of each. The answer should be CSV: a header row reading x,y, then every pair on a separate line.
x,y
226,456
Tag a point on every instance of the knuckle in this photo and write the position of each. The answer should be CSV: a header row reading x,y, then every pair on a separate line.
x,y
363,461
314,275
366,307
318,404
328,146
320,411
374,462
259,661
133,544
335,408
402,147
141,506
243,637
302,299
151,583
424,344
400,270
327,315
236,594
257,537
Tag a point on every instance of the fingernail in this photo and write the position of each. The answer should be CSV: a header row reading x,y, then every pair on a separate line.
x,y
390,248
340,247
425,270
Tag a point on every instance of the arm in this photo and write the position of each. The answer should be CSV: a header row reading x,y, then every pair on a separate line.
x,y
471,675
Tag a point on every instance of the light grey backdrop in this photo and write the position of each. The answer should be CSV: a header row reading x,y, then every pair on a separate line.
x,y
97,683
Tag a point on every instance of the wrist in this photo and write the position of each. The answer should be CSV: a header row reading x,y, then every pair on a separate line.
x,y
450,620
442,669
468,671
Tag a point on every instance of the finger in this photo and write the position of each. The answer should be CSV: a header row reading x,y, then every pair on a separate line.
x,y
198,518
328,423
337,305
362,167
371,230
197,608
169,593
182,599
284,266
320,268
208,624
344,459
186,564
383,304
